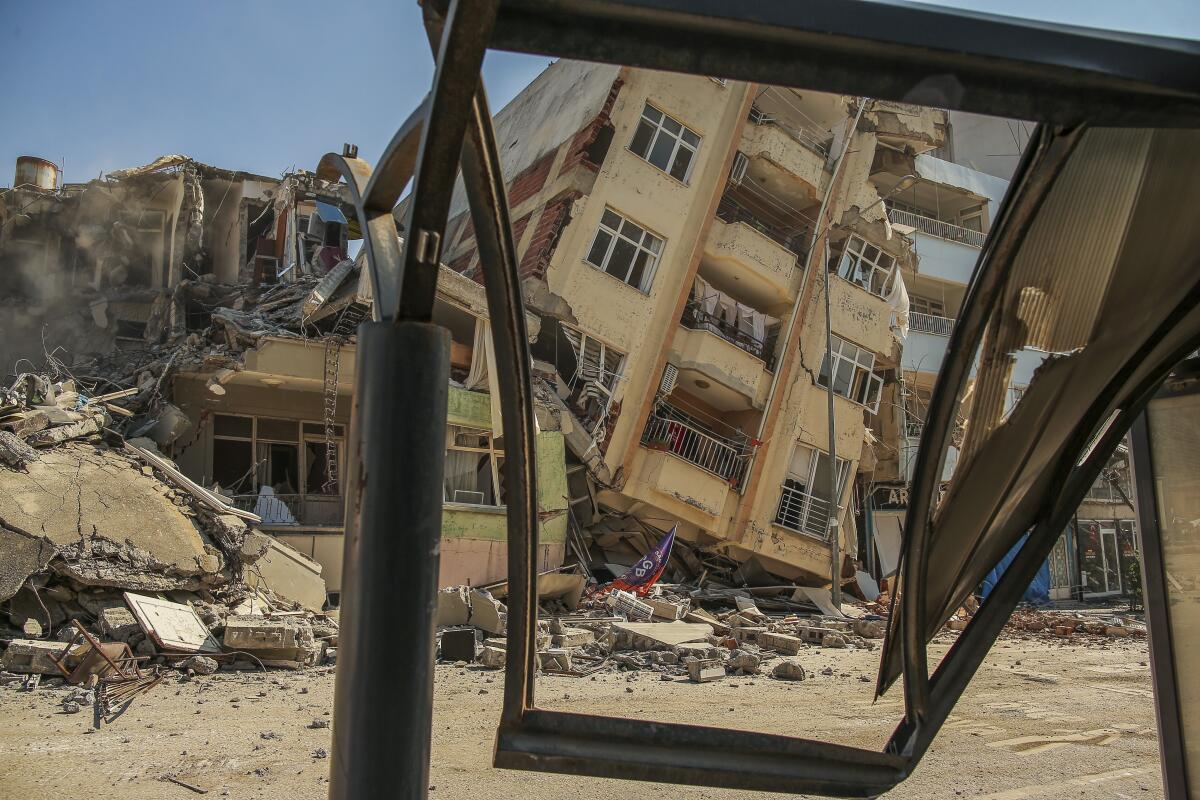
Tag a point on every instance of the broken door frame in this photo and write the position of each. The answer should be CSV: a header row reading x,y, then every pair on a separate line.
x,y
1068,77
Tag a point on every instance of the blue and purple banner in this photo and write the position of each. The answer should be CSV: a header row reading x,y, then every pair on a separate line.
x,y
649,568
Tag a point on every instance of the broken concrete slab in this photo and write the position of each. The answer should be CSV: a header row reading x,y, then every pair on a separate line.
x,y
24,554
555,660
665,609
14,451
659,635
819,597
491,657
284,641
789,670
781,642
32,656
75,430
705,670
83,499
453,606
118,623
289,574
573,637
487,613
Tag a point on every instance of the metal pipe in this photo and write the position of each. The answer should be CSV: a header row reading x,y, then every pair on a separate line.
x,y
832,531
383,707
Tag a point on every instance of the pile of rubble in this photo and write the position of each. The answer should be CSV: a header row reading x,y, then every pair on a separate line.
x,y
669,633
112,561
1077,626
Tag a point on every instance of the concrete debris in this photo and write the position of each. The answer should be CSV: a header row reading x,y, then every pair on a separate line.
x,y
788,670
108,532
703,671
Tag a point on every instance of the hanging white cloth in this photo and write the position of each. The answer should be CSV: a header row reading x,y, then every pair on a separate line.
x,y
477,377
897,298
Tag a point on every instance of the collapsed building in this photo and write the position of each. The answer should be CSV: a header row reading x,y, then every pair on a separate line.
x,y
233,322
663,225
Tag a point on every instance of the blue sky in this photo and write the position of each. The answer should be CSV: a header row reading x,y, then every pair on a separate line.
x,y
263,85
254,85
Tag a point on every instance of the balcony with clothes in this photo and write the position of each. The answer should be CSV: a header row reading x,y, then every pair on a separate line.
x,y
725,350
682,430
788,137
758,243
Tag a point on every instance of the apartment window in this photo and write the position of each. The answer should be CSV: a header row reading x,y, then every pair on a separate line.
x,y
666,143
804,501
971,218
853,374
865,265
279,468
625,250
473,474
926,305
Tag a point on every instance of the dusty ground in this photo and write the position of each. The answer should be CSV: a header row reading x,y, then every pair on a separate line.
x,y
1041,720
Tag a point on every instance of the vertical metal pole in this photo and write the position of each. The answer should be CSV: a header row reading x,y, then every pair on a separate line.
x,y
383,707
834,532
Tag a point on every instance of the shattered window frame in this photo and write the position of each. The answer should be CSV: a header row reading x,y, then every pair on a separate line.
x,y
635,240
302,438
495,462
857,267
854,376
652,130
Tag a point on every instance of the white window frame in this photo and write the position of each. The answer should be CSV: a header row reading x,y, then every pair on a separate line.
x,y
871,274
495,459
658,128
862,386
645,243
302,462
926,305
970,213
805,488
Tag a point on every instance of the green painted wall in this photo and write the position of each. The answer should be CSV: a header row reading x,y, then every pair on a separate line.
x,y
472,409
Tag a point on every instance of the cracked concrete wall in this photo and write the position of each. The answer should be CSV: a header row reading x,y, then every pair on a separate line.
x,y
111,523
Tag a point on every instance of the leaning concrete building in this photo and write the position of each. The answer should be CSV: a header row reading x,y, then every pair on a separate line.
x,y
666,227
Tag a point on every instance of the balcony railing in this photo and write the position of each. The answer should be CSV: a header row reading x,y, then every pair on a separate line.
x,y
792,239
935,227
802,133
722,458
802,512
698,319
310,510
930,323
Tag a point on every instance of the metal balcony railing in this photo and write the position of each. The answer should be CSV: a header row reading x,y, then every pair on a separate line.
x,y
722,458
698,319
935,227
312,510
930,323
794,240
802,512
810,136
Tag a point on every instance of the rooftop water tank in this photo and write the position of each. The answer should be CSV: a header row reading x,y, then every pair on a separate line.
x,y
36,173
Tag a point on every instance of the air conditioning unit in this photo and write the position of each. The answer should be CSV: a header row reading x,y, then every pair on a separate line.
x,y
738,170
670,377
464,496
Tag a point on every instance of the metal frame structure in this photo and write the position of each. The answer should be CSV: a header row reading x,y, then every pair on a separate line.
x,y
1066,77
1158,594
